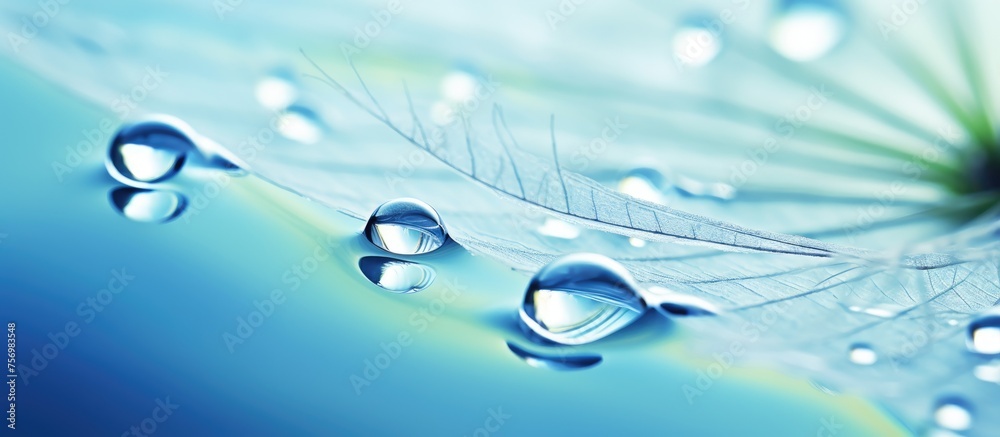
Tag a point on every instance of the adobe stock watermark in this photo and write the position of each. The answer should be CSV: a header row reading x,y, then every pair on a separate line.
x,y
751,332
597,146
829,427
30,26
901,14
368,32
785,129
561,12
148,426
495,419
262,310
914,169
87,310
419,321
99,137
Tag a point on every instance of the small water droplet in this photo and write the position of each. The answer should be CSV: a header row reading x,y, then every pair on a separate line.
x,y
396,275
406,226
862,354
149,151
695,44
805,30
555,361
150,206
278,90
878,310
558,229
459,85
581,298
636,242
983,335
674,304
953,413
302,124
989,372
644,184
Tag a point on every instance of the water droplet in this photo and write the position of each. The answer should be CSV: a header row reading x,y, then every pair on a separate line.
x,y
805,30
878,310
150,206
299,123
674,304
396,275
953,413
989,372
636,242
278,90
149,151
558,229
643,184
862,354
983,335
581,298
406,226
555,361
459,85
696,44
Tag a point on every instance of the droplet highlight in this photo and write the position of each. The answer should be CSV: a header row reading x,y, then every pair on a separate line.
x,y
581,298
149,151
983,335
148,206
805,30
953,413
695,43
278,90
644,184
555,361
673,304
396,275
558,229
862,354
302,124
406,226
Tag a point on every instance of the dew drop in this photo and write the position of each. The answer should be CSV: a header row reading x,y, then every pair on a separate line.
x,y
805,30
406,226
695,44
396,275
862,354
953,413
643,184
278,90
558,229
299,123
581,298
673,304
149,151
983,335
555,361
148,206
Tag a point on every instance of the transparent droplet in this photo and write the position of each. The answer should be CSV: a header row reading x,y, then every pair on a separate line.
x,y
149,151
581,298
299,123
695,43
406,226
558,229
673,304
149,206
953,413
555,361
643,184
989,372
862,354
804,30
396,275
278,90
983,335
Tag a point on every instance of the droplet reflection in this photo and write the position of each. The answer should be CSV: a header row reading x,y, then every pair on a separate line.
x,y
555,361
149,206
396,275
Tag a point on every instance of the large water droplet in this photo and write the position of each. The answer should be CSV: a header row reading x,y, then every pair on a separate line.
x,y
696,44
149,151
396,275
278,90
983,335
674,304
953,413
299,123
581,298
555,361
406,226
805,30
151,206
862,354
